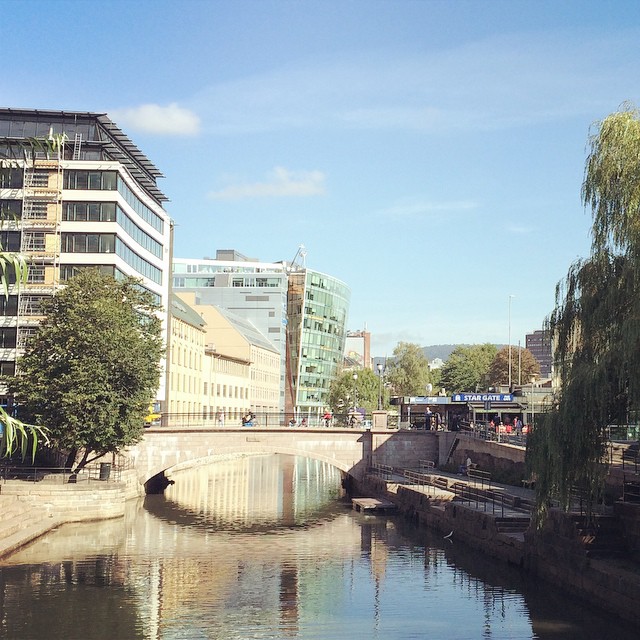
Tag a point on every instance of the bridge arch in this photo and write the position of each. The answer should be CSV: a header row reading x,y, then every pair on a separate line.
x,y
351,451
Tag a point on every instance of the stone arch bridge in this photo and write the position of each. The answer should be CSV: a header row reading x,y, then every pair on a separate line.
x,y
352,451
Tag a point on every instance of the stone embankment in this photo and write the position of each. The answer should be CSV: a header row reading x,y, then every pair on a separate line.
x,y
599,564
30,509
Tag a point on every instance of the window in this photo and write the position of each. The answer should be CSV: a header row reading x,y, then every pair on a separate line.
x,y
7,368
8,337
95,180
8,305
88,242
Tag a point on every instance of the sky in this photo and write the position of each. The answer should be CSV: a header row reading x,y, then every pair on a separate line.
x,y
429,154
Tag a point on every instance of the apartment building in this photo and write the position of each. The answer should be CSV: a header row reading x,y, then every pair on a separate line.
x,y
244,367
82,195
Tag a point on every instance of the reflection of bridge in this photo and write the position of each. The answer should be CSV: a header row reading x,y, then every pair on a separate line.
x,y
349,450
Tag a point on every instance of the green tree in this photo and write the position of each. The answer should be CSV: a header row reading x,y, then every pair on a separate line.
x,y
467,367
345,390
523,367
408,372
92,367
595,324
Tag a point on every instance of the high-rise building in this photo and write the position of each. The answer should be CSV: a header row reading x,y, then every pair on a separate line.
x,y
539,343
75,192
303,313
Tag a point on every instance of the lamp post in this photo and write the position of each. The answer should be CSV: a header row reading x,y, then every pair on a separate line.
x,y
511,295
533,411
355,391
380,369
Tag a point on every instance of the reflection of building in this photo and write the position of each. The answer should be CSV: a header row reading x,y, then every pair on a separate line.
x,y
539,343
91,201
357,350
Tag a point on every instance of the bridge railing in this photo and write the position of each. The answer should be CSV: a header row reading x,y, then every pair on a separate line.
x,y
265,419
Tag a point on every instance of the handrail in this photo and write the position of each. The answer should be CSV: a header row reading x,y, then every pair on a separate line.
x,y
99,471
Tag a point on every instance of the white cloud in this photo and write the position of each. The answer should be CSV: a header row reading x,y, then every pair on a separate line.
x,y
154,118
280,183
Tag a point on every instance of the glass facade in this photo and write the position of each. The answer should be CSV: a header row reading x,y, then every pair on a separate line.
x,y
317,311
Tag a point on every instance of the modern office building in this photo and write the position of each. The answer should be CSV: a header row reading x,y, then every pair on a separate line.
x,y
539,343
254,290
318,308
302,312
75,192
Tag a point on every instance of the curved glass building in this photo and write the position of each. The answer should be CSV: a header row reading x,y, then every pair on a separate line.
x,y
318,307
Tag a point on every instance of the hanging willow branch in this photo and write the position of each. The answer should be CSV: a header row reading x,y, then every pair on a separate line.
x,y
595,325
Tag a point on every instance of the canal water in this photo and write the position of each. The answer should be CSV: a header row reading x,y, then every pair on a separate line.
x,y
265,548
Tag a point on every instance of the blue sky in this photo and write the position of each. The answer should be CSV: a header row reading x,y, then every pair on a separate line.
x,y
428,153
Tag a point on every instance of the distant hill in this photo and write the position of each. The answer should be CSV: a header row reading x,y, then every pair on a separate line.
x,y
442,351
433,351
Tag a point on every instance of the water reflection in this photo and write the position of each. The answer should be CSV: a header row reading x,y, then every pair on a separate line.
x,y
261,548
251,494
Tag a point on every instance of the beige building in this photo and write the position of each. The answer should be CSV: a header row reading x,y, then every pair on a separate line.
x,y
185,361
243,370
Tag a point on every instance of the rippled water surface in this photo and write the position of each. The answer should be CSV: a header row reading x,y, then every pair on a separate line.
x,y
264,548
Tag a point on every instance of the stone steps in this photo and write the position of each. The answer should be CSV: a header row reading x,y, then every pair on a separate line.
x,y
512,525
20,523
601,539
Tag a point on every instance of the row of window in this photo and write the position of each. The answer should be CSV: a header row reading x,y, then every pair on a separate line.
x,y
110,243
110,212
41,128
111,181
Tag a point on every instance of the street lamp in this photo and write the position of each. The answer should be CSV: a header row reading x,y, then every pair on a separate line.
x,y
511,295
533,411
380,368
355,391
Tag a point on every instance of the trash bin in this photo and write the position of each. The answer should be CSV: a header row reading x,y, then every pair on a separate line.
x,y
105,470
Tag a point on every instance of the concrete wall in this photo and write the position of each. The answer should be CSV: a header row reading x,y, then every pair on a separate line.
x,y
504,462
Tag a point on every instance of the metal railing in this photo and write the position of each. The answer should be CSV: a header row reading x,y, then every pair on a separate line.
x,y
268,420
96,472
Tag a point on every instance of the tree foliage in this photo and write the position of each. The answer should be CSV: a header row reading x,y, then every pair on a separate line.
x,y
523,367
467,367
408,372
344,390
92,367
596,323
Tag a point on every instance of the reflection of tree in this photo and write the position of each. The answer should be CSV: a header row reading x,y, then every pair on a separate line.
x,y
53,600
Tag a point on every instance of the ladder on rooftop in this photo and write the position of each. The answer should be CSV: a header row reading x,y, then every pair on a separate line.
x,y
77,145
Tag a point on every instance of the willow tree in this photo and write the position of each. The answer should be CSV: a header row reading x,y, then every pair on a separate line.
x,y
595,324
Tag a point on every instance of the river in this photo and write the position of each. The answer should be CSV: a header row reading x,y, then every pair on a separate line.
x,y
265,548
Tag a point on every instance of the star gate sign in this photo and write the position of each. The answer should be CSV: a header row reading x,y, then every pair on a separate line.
x,y
482,397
